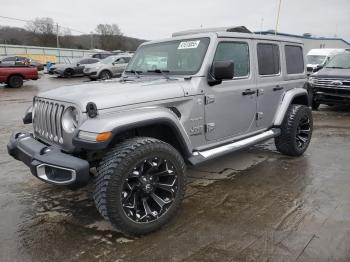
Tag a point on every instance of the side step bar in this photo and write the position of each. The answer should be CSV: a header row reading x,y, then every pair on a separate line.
x,y
201,156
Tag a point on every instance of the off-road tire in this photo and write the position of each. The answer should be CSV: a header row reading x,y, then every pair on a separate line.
x,y
286,142
111,175
15,81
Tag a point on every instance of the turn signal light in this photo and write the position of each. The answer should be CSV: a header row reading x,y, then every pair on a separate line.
x,y
103,136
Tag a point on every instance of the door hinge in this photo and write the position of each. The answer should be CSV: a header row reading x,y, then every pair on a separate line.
x,y
209,127
208,99
259,115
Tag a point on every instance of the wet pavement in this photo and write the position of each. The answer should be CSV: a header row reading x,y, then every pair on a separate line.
x,y
254,205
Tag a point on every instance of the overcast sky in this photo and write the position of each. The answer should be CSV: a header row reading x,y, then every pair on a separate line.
x,y
159,18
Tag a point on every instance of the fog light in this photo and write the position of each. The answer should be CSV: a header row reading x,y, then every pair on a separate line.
x,y
56,175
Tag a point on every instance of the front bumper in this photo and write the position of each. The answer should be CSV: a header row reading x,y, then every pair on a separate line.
x,y
48,163
325,97
92,74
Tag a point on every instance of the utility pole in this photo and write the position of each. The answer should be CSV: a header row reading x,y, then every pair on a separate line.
x,y
57,40
278,16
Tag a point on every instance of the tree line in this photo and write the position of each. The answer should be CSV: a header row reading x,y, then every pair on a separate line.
x,y
43,32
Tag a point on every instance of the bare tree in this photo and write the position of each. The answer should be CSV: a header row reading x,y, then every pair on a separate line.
x,y
109,35
45,29
43,25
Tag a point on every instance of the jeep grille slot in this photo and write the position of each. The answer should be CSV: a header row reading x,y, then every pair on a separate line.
x,y
47,120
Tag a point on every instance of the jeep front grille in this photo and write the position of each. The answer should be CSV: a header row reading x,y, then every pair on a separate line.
x,y
47,120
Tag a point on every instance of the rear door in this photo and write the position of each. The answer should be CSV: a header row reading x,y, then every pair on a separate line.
x,y
270,82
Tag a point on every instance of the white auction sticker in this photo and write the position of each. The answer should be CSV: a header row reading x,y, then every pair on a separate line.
x,y
189,44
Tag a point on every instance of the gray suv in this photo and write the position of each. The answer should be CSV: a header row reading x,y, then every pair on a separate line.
x,y
214,92
107,68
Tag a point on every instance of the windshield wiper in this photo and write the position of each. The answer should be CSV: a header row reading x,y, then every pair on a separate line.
x,y
336,67
163,72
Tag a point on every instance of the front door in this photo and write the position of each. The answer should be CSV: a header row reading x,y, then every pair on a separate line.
x,y
230,108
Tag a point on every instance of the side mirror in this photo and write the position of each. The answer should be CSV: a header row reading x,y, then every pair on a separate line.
x,y
221,70
78,64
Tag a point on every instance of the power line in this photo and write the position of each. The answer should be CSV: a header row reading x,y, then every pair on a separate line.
x,y
28,21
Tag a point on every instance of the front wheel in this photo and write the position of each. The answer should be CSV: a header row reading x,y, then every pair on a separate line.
x,y
105,75
296,131
140,185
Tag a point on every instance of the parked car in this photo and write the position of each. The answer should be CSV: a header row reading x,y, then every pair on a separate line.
x,y
112,66
331,84
21,61
317,58
36,64
14,76
220,92
102,55
74,69
15,60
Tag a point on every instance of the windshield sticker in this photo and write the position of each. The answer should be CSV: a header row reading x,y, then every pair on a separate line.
x,y
189,44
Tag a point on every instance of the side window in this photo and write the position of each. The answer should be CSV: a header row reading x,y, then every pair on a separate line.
x,y
127,59
294,59
238,53
268,59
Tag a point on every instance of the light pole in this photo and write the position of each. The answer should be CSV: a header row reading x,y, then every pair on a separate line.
x,y
278,15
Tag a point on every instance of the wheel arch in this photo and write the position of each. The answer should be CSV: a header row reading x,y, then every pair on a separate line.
x,y
15,74
105,69
159,123
297,96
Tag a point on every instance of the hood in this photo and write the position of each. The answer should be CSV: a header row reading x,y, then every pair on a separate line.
x,y
333,73
109,94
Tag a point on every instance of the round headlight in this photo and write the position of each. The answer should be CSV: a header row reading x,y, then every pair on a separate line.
x,y
70,119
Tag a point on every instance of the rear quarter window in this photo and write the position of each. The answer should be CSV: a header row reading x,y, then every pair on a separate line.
x,y
294,59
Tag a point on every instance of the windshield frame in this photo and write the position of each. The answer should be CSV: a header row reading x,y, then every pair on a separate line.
x,y
173,73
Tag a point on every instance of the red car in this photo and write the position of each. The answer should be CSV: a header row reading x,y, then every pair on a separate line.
x,y
14,76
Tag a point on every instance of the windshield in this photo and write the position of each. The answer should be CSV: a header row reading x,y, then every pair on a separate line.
x,y
182,57
315,59
340,61
109,60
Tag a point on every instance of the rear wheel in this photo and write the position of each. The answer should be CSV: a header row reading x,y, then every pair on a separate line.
x,y
296,131
140,185
105,75
15,81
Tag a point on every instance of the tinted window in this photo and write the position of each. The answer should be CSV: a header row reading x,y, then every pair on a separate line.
x,y
268,59
294,59
236,52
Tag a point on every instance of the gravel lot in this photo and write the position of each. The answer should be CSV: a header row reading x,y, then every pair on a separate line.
x,y
255,205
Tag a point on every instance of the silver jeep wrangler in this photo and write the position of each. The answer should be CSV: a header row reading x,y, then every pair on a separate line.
x,y
213,92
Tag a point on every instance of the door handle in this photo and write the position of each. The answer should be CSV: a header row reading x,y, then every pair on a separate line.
x,y
248,92
277,88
